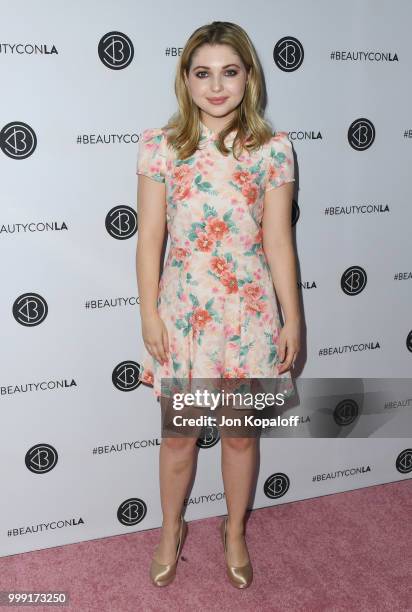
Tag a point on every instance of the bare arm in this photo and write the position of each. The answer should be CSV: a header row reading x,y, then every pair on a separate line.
x,y
278,247
151,214
280,254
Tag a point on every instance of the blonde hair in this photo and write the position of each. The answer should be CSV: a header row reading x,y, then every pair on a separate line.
x,y
252,130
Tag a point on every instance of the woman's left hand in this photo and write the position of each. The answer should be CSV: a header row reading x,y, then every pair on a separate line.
x,y
289,345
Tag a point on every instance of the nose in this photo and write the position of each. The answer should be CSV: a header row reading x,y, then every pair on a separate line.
x,y
216,84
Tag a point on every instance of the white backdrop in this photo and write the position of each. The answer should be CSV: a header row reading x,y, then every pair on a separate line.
x,y
79,440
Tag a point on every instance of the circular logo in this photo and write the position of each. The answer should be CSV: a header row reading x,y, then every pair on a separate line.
x,y
41,458
346,412
404,461
30,309
18,140
361,134
353,280
115,50
295,212
276,486
409,341
121,222
208,437
125,376
131,512
288,54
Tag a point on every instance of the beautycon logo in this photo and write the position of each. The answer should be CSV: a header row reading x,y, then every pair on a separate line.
x,y
353,280
121,222
295,212
361,134
409,341
209,436
288,54
404,461
115,50
18,140
41,458
346,412
276,485
125,376
30,309
131,512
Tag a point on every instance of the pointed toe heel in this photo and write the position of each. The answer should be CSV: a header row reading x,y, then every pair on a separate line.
x,y
162,574
239,577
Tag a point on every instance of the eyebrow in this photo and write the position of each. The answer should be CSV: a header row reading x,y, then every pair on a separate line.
x,y
227,66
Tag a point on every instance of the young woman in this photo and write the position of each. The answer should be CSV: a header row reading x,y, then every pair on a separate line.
x,y
222,183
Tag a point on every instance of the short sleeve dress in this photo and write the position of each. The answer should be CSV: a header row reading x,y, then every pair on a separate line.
x,y
216,294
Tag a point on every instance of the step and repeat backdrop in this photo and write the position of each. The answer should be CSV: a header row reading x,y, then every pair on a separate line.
x,y
79,437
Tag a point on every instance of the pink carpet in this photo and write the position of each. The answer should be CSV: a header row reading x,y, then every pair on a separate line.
x,y
343,552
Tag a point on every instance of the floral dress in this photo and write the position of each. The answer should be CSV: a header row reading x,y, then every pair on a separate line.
x,y
216,294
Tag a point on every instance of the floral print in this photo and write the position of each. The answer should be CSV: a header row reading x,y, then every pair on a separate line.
x,y
216,295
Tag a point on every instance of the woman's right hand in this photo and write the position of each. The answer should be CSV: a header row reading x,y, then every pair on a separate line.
x,y
155,337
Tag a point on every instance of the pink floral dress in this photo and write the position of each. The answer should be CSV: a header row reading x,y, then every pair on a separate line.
x,y
216,294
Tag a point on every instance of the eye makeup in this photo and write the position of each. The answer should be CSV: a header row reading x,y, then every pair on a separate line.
x,y
203,71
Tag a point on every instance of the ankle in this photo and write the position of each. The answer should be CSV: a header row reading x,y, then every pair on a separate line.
x,y
235,528
171,524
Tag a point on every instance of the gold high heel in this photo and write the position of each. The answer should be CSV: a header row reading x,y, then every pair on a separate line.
x,y
162,574
239,577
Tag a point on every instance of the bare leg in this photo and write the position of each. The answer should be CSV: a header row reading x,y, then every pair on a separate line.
x,y
176,466
176,462
238,471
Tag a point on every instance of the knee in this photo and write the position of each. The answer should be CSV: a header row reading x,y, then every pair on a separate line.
x,y
238,444
179,444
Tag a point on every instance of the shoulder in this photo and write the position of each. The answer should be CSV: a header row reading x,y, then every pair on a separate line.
x,y
279,141
153,142
279,149
151,156
153,135
280,160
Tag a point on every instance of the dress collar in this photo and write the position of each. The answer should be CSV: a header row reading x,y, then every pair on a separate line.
x,y
209,135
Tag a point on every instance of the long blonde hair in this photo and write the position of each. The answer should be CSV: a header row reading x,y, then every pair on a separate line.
x,y
252,130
